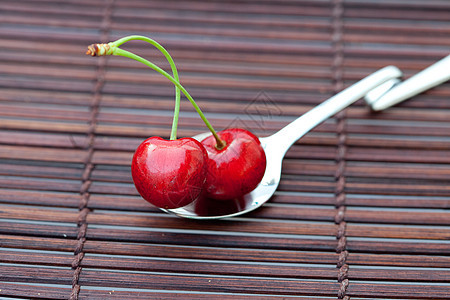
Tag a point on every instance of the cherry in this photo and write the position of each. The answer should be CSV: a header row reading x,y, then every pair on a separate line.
x,y
169,173
236,168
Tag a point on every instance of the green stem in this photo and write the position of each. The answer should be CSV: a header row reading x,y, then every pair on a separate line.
x,y
173,134
120,52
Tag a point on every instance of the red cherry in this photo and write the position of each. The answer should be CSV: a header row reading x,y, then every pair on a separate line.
x,y
169,173
236,169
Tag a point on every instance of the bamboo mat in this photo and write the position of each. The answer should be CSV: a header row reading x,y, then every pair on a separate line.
x,y
362,208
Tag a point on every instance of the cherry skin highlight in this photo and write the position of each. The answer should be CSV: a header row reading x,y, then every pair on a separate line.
x,y
169,173
238,168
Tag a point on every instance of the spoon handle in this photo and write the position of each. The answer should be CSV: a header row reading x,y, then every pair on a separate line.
x,y
432,76
295,130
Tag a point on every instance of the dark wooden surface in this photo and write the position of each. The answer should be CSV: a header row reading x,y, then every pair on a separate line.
x,y
362,208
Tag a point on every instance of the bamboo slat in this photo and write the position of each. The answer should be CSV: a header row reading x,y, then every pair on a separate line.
x,y
362,209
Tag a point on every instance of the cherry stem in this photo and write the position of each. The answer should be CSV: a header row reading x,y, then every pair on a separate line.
x,y
173,133
113,49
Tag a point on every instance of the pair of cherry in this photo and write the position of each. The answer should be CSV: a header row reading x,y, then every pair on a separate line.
x,y
174,173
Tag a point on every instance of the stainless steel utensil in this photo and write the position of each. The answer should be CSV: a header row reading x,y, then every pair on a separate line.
x,y
276,146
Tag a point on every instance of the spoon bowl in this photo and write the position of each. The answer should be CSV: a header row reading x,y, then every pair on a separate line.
x,y
251,201
276,146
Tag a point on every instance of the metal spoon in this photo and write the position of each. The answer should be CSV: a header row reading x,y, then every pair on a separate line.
x,y
276,146
394,91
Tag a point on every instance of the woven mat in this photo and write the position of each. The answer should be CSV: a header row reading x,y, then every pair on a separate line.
x,y
362,208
